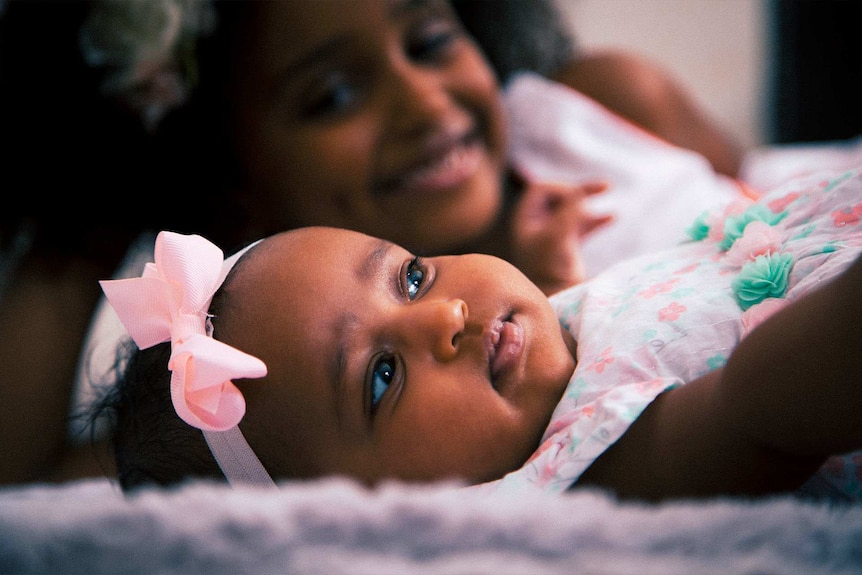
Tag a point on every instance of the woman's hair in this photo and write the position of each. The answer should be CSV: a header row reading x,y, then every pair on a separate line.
x,y
67,150
518,35
194,146
151,444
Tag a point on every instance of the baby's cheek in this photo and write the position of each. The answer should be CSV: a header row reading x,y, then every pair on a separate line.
x,y
514,446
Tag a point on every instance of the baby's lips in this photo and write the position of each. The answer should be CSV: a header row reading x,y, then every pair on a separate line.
x,y
507,350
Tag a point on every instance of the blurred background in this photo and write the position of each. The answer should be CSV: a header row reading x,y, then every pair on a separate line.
x,y
772,71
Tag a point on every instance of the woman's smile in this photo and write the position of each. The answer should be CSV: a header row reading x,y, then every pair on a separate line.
x,y
447,164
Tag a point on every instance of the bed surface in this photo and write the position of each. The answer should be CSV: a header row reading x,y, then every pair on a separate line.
x,y
335,526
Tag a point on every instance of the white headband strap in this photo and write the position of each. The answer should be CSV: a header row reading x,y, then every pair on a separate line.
x,y
235,457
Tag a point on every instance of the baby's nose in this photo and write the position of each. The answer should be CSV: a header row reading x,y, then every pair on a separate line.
x,y
438,325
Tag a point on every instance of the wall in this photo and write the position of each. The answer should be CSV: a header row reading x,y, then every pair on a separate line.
x,y
716,48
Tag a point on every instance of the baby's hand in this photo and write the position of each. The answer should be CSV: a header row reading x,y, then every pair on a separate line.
x,y
547,225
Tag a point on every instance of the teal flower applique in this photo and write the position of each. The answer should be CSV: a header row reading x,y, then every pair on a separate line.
x,y
699,229
764,277
734,226
715,362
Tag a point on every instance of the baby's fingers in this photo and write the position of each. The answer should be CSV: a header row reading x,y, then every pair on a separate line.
x,y
590,223
594,187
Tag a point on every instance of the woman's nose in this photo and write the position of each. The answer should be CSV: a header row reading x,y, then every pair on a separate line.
x,y
420,94
435,325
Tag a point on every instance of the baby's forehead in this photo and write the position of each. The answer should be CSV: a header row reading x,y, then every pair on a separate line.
x,y
278,244
280,283
314,235
297,249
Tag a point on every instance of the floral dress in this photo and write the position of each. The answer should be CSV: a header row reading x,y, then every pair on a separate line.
x,y
658,321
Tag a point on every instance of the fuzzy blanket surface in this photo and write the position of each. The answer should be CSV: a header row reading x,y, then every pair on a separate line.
x,y
336,527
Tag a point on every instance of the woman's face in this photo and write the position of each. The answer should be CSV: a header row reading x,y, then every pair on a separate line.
x,y
384,365
380,116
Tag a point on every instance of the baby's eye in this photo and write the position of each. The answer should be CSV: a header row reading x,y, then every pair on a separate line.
x,y
414,276
382,374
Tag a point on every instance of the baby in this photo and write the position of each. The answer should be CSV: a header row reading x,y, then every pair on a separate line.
x,y
377,364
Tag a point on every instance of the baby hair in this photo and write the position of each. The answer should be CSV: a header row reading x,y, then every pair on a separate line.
x,y
151,444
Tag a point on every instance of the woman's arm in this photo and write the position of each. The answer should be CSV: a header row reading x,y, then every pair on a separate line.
x,y
648,96
789,396
44,317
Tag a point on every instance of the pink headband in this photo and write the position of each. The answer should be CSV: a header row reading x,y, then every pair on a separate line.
x,y
169,302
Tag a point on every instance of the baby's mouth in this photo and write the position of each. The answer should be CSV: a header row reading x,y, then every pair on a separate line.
x,y
505,341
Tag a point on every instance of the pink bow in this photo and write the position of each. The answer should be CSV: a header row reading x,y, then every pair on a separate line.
x,y
169,302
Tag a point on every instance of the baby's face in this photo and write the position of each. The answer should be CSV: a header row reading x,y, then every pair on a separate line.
x,y
380,116
383,365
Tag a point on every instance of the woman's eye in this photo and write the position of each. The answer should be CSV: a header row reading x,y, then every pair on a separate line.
x,y
430,46
413,278
335,95
382,375
433,33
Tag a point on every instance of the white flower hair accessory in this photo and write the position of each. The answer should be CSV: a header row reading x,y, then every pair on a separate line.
x,y
147,48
